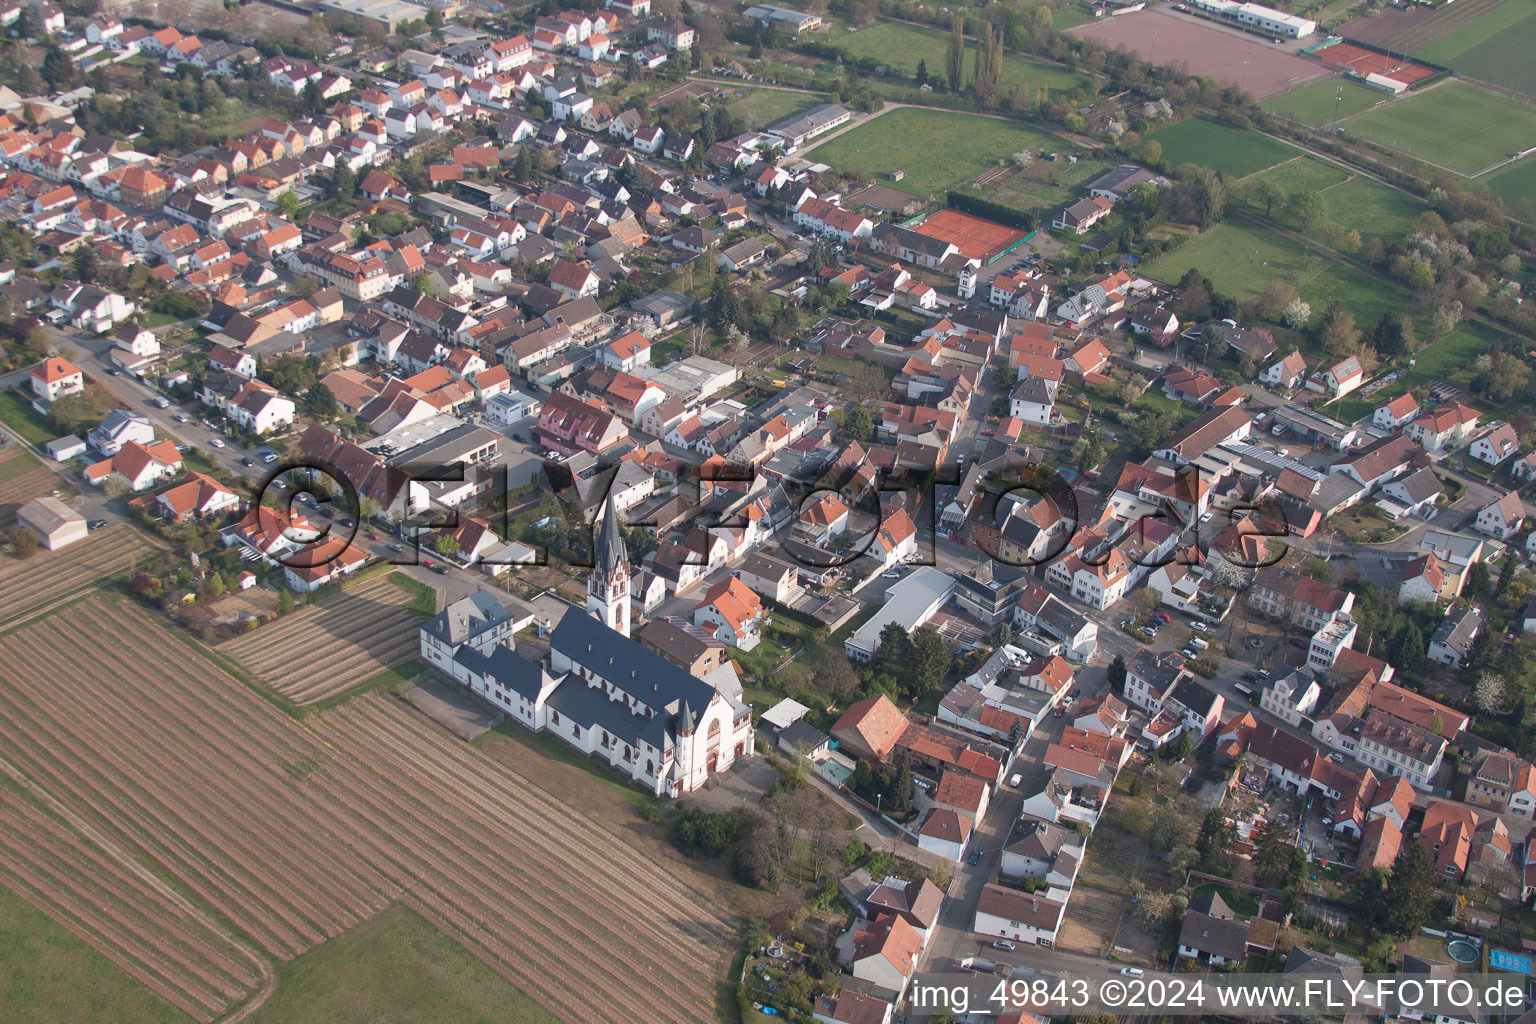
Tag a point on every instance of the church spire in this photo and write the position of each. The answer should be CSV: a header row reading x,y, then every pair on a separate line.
x,y
608,582
610,552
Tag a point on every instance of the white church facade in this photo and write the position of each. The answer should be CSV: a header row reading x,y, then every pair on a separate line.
x,y
600,692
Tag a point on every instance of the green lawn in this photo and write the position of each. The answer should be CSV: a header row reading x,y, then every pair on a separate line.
x,y
1375,209
19,415
395,969
1234,152
900,46
1451,359
758,108
47,976
1515,182
1314,104
937,149
1046,184
1496,46
1299,174
1453,125
759,661
1349,200
1240,256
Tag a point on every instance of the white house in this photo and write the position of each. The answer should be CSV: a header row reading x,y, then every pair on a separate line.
x,y
1502,519
1396,413
1005,913
53,378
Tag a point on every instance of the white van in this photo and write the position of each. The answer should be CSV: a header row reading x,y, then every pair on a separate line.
x,y
1198,644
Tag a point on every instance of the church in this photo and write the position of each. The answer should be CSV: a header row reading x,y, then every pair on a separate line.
x,y
600,691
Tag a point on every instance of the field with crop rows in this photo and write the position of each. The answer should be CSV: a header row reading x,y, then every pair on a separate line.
x,y
22,478
28,585
294,832
322,650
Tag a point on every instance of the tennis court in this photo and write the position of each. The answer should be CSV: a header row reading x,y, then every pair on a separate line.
x,y
1366,62
979,239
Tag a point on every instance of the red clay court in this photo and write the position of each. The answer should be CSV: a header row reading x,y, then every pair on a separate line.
x,y
1363,62
976,238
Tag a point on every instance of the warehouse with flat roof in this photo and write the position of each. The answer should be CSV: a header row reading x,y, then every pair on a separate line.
x,y
388,14
804,126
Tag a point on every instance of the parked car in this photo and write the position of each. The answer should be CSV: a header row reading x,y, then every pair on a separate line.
x,y
1015,779
975,857
1135,972
216,443
1163,617
180,417
96,524
247,461
397,547
1198,627
1002,944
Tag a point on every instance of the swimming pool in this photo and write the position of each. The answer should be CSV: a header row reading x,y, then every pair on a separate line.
x,y
1462,951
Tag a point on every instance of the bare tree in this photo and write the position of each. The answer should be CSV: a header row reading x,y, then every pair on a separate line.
x,y
698,339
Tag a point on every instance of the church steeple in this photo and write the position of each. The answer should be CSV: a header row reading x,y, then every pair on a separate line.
x,y
610,552
608,582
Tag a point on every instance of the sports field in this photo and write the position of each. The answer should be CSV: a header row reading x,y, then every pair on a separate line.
x,y
1363,62
900,46
1229,58
937,149
1232,151
1496,45
1240,257
1453,125
1516,182
1314,104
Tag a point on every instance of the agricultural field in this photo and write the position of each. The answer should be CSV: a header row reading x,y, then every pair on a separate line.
x,y
289,834
115,946
29,585
899,46
1240,256
1493,43
1452,125
22,478
323,650
758,108
1234,152
906,139
1314,104
397,968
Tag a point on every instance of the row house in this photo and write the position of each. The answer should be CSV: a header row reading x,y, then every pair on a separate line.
x,y
1308,603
